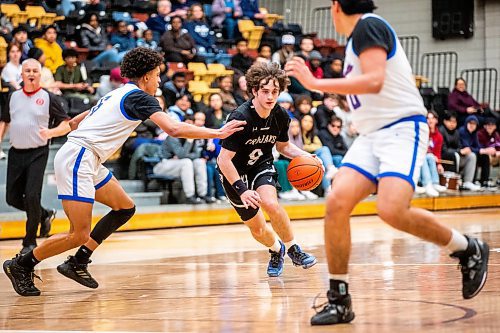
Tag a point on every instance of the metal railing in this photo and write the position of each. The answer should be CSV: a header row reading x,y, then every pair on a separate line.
x,y
482,84
411,46
440,68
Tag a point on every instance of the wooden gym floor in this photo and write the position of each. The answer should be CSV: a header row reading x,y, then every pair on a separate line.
x,y
213,279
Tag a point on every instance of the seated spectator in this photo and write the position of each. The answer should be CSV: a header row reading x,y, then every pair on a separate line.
x,y
198,28
52,50
326,111
285,100
94,6
303,106
181,109
94,37
181,7
46,78
463,158
178,45
147,40
20,36
69,77
251,10
265,52
314,64
432,167
11,72
313,145
286,52
469,139
160,21
122,40
489,139
334,69
216,114
225,15
240,93
182,158
225,83
460,101
306,47
241,60
108,83
174,89
331,138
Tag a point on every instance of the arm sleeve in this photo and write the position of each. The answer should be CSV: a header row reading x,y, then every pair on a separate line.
x,y
372,32
56,111
140,106
237,139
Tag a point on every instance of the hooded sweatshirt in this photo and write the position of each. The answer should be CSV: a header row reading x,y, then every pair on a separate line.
x,y
468,139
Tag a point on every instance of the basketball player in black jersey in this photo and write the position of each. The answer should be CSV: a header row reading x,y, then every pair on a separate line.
x,y
247,171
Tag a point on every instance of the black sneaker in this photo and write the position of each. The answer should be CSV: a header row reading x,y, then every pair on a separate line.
x,y
27,248
78,272
22,278
300,258
337,310
47,223
474,266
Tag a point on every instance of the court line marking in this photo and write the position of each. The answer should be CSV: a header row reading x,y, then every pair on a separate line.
x,y
259,264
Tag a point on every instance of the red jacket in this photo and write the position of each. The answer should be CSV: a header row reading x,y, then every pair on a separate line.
x,y
435,143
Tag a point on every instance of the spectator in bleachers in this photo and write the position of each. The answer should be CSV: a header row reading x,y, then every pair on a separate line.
x,y
181,7
225,84
240,92
285,100
241,60
216,113
182,158
20,36
303,106
178,45
108,83
225,15
460,101
198,27
181,109
286,52
94,37
251,10
469,139
122,39
314,64
489,139
147,40
69,77
453,151
306,46
175,88
265,52
48,44
11,72
333,69
214,184
313,145
331,138
160,21
94,6
326,111
47,80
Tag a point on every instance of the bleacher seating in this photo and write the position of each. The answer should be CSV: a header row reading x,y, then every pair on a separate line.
x,y
12,11
251,32
37,16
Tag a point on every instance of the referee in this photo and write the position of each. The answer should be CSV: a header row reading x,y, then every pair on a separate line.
x,y
35,117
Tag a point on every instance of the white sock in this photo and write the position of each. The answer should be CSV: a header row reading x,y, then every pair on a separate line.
x,y
341,277
458,242
290,243
276,247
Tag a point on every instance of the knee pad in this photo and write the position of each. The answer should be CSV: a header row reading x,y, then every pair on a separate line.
x,y
110,223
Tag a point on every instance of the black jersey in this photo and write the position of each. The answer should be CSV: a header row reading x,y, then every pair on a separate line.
x,y
253,145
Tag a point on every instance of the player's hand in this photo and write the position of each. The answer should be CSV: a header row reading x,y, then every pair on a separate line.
x,y
298,69
250,199
230,128
45,133
319,161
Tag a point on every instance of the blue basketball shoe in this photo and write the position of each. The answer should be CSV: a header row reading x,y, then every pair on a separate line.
x,y
275,267
300,258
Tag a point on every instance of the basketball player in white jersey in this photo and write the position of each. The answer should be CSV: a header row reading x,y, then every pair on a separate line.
x,y
390,116
82,179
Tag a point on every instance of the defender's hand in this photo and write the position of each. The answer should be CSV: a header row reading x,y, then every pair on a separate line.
x,y
230,128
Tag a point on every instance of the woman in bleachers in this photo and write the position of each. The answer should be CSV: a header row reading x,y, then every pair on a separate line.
x,y
11,73
216,113
122,39
198,27
178,45
225,84
94,37
225,15
460,101
240,93
47,79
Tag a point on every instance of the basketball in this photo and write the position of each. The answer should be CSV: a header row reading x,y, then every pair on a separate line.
x,y
305,173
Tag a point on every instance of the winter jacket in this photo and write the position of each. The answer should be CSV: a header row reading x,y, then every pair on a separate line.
x,y
468,139
322,116
172,43
336,144
241,62
201,33
250,8
125,42
451,141
52,52
93,39
171,93
219,11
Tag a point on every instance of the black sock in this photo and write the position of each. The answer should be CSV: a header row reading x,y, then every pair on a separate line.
x,y
339,287
83,254
28,260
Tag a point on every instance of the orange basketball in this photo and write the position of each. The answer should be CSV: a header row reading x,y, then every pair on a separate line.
x,y
305,173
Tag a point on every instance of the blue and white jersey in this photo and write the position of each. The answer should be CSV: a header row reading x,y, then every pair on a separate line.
x,y
399,97
110,122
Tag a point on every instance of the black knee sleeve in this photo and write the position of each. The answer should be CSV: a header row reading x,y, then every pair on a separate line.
x,y
110,223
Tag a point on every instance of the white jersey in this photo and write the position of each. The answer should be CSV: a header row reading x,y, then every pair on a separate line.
x,y
399,97
110,122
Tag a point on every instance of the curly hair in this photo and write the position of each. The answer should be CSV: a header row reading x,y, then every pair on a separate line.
x,y
265,71
139,61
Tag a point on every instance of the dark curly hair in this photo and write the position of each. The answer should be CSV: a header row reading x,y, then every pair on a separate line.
x,y
265,71
139,61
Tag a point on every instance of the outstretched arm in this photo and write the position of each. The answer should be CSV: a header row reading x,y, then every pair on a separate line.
x,y
73,123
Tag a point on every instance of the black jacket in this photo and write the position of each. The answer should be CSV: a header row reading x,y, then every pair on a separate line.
x,y
336,144
451,142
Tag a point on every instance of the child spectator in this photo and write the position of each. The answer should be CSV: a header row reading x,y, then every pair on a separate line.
x,y
285,100
331,138
303,106
326,111
69,77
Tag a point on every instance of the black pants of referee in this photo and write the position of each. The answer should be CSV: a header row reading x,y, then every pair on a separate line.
x,y
25,169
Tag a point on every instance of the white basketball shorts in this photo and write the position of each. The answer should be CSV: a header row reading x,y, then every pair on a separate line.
x,y
396,150
79,173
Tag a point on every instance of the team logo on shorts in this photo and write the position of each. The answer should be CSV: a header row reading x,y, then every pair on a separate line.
x,y
39,101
